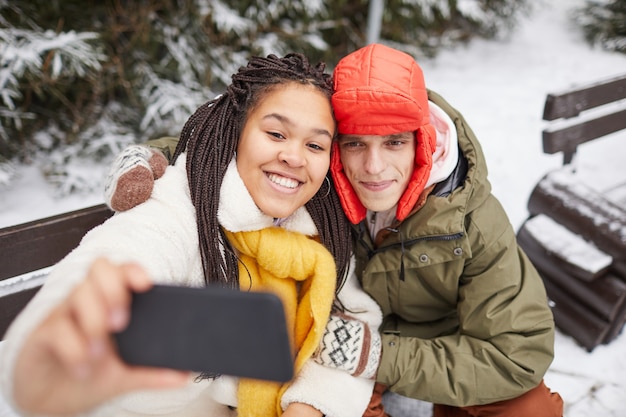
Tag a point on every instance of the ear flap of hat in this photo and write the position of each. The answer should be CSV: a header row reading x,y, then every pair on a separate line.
x,y
425,138
355,210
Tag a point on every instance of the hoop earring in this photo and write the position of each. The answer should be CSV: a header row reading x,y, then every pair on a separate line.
x,y
327,191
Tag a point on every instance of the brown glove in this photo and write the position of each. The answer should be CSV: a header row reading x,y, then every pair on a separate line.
x,y
131,177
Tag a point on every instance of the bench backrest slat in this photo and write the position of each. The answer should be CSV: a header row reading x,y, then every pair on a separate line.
x,y
567,139
572,105
35,245
573,102
38,244
11,305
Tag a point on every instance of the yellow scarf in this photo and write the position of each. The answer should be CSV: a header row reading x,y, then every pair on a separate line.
x,y
277,260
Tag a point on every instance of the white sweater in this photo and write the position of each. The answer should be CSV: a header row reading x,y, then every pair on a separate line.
x,y
161,235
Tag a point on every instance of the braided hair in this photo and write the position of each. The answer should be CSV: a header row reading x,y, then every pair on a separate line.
x,y
210,138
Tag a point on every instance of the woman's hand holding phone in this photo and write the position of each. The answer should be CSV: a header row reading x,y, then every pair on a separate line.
x,y
70,364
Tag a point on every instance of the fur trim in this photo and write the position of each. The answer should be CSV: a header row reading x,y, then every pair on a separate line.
x,y
238,213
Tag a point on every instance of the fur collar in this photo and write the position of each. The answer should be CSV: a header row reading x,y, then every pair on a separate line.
x,y
238,213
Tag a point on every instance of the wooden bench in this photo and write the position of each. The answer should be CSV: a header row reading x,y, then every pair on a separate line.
x,y
576,234
26,250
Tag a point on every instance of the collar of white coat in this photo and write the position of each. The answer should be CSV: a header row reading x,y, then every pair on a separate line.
x,y
237,211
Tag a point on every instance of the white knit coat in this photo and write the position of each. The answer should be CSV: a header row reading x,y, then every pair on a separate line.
x,y
161,235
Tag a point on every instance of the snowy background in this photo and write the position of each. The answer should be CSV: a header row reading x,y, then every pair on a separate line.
x,y
500,87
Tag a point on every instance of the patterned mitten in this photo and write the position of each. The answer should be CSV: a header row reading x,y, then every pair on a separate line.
x,y
349,345
131,177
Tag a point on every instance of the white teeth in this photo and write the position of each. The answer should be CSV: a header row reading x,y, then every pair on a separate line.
x,y
282,181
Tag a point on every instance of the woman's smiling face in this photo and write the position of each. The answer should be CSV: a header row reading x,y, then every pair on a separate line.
x,y
283,153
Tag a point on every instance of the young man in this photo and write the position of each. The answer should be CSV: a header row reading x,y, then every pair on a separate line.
x,y
467,324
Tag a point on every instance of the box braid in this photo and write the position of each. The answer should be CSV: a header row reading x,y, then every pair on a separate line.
x,y
210,138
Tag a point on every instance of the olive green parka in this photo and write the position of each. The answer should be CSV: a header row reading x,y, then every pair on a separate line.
x,y
467,320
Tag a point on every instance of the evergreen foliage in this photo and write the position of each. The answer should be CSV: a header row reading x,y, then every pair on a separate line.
x,y
604,23
81,79
426,26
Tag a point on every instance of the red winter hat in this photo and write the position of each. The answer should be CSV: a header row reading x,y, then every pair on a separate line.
x,y
380,91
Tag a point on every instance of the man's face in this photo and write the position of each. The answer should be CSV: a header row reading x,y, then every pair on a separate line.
x,y
378,167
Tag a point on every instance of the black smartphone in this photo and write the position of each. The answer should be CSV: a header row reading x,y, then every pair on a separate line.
x,y
209,329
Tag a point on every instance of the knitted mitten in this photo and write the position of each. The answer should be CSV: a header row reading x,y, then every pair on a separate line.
x,y
349,345
131,177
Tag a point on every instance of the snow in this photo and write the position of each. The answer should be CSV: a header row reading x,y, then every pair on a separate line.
x,y
23,282
500,87
569,246
604,211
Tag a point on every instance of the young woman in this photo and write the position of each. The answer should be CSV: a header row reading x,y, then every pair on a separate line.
x,y
247,204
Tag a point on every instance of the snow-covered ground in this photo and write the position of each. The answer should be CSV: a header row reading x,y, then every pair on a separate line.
x,y
500,87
